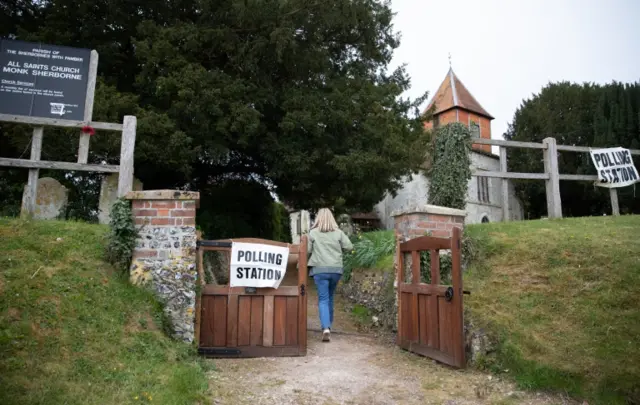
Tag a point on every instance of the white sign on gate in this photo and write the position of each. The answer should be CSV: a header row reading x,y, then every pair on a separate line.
x,y
615,167
257,265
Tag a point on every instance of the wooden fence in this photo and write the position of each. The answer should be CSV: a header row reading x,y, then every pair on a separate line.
x,y
551,175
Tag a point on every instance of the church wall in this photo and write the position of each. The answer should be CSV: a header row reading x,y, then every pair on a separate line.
x,y
414,193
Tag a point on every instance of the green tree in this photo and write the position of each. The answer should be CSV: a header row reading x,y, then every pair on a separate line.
x,y
294,96
575,114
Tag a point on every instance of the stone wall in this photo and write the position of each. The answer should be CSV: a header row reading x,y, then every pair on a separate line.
x,y
165,254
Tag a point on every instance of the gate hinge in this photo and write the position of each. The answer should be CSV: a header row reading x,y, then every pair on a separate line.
x,y
302,292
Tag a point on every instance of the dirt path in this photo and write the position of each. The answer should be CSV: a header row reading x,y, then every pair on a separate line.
x,y
356,369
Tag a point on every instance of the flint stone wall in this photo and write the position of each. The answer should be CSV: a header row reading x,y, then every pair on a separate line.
x,y
165,255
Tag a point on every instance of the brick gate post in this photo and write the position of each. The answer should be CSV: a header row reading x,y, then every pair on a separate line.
x,y
165,254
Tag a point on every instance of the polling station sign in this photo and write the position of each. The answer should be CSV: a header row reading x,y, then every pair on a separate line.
x,y
615,167
257,265
46,81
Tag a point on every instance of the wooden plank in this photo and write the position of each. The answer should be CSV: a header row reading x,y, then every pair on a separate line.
x,y
287,290
83,148
279,321
268,317
504,185
291,336
302,299
208,314
434,258
220,321
244,321
232,320
615,207
405,328
415,319
424,319
509,144
510,175
53,122
31,189
415,267
200,268
578,177
430,352
257,316
457,311
425,243
444,326
256,351
127,146
432,319
587,149
45,164
554,204
428,289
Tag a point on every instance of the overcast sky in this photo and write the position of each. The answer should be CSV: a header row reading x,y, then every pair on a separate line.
x,y
506,50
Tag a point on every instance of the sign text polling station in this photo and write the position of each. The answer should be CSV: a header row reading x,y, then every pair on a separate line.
x,y
257,265
615,167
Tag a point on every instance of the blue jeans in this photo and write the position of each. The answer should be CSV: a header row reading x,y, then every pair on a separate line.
x,y
326,284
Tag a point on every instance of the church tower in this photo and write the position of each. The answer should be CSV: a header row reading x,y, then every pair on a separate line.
x,y
454,103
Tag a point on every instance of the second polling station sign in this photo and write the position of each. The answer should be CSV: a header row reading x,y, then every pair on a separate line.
x,y
257,265
615,167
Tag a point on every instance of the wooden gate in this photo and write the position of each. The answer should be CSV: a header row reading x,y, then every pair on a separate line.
x,y
430,320
252,322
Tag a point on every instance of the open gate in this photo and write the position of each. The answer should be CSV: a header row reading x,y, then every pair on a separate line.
x,y
252,322
430,316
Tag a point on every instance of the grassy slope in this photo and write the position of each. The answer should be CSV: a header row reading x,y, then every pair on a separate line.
x,y
565,298
72,332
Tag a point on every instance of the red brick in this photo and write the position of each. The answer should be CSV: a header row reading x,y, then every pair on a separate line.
x,y
443,225
163,204
141,221
183,213
189,204
178,221
162,221
144,213
458,220
163,213
440,218
137,204
441,233
145,253
188,221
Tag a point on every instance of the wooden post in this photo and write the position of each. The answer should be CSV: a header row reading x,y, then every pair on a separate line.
x,y
83,148
31,189
505,184
554,204
615,207
127,145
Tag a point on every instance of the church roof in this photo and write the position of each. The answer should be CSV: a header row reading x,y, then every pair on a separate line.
x,y
452,93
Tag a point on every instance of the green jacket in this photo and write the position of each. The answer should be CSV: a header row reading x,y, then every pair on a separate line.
x,y
325,248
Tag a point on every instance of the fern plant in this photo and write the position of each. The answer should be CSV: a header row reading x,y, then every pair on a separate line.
x,y
122,235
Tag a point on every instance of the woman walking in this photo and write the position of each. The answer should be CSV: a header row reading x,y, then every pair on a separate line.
x,y
326,242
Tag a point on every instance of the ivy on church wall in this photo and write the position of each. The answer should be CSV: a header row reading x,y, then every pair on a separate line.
x,y
450,167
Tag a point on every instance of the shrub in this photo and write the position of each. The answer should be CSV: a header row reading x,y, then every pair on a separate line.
x,y
369,249
122,236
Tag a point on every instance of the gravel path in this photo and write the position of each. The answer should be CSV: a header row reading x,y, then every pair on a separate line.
x,y
356,369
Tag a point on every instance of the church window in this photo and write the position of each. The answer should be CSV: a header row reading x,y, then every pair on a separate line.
x,y
483,189
474,128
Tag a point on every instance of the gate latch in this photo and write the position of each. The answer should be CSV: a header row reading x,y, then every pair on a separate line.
x,y
250,290
302,292
448,294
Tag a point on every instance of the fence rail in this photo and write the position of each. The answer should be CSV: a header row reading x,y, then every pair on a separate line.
x,y
551,174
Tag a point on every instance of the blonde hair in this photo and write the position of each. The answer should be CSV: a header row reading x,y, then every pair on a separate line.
x,y
325,221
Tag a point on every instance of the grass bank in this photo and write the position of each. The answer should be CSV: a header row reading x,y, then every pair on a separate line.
x,y
564,299
73,332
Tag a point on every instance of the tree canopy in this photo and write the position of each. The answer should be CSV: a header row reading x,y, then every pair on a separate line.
x,y
294,96
576,114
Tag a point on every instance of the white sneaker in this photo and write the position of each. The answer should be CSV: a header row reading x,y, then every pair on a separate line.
x,y
326,335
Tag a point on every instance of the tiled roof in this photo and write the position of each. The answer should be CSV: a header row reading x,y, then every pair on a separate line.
x,y
452,93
